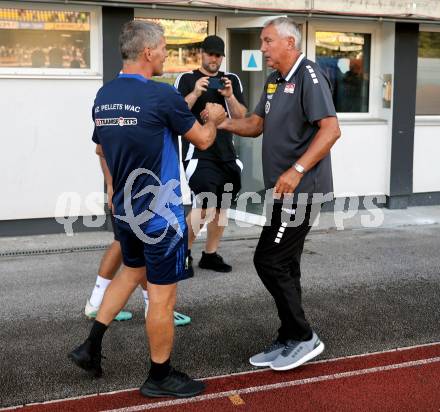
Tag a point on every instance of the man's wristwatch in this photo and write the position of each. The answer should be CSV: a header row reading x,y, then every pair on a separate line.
x,y
299,168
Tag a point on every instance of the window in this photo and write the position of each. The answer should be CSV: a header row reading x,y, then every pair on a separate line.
x,y
183,38
345,58
428,74
44,39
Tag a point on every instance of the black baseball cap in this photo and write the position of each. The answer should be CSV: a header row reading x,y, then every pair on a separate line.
x,y
213,44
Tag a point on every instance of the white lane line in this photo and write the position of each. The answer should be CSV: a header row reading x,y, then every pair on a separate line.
x,y
298,382
362,355
75,398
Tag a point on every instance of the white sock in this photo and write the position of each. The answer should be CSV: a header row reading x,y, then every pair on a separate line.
x,y
98,291
145,295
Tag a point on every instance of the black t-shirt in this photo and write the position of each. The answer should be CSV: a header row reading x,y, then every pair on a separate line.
x,y
223,147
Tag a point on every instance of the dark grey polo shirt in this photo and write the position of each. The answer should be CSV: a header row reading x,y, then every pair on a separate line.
x,y
291,108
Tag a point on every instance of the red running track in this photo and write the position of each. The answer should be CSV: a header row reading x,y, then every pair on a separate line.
x,y
406,379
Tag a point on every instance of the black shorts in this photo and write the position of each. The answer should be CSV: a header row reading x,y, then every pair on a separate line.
x,y
164,253
211,182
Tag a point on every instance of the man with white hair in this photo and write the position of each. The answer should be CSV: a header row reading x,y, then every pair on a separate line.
x,y
298,120
137,123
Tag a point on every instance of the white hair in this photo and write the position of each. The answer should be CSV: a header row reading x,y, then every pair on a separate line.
x,y
286,27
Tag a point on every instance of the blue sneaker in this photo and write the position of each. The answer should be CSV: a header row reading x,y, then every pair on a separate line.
x,y
181,320
91,311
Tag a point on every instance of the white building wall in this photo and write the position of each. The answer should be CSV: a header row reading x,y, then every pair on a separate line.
x,y
359,159
426,169
46,146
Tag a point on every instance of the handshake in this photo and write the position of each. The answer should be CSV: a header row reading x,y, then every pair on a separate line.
x,y
213,112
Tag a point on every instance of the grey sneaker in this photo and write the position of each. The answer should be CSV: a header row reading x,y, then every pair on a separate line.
x,y
297,352
266,357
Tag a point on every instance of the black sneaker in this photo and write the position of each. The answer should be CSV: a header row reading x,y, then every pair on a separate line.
x,y
176,384
83,357
214,261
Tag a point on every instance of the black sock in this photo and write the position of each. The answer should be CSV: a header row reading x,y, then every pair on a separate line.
x,y
96,335
159,371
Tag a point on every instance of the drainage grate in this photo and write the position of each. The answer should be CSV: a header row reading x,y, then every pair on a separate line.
x,y
34,252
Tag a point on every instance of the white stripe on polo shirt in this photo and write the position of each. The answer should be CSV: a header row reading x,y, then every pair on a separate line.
x,y
295,66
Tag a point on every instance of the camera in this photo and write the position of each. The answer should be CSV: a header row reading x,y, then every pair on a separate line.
x,y
216,83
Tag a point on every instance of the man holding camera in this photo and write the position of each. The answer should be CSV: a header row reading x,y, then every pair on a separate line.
x,y
216,170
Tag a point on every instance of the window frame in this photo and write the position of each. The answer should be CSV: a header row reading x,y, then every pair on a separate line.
x,y
95,70
374,92
426,119
169,15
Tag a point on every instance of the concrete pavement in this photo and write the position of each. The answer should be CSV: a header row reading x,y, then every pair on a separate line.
x,y
365,290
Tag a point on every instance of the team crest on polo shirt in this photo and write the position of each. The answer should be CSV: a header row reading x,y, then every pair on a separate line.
x,y
289,88
267,107
270,90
